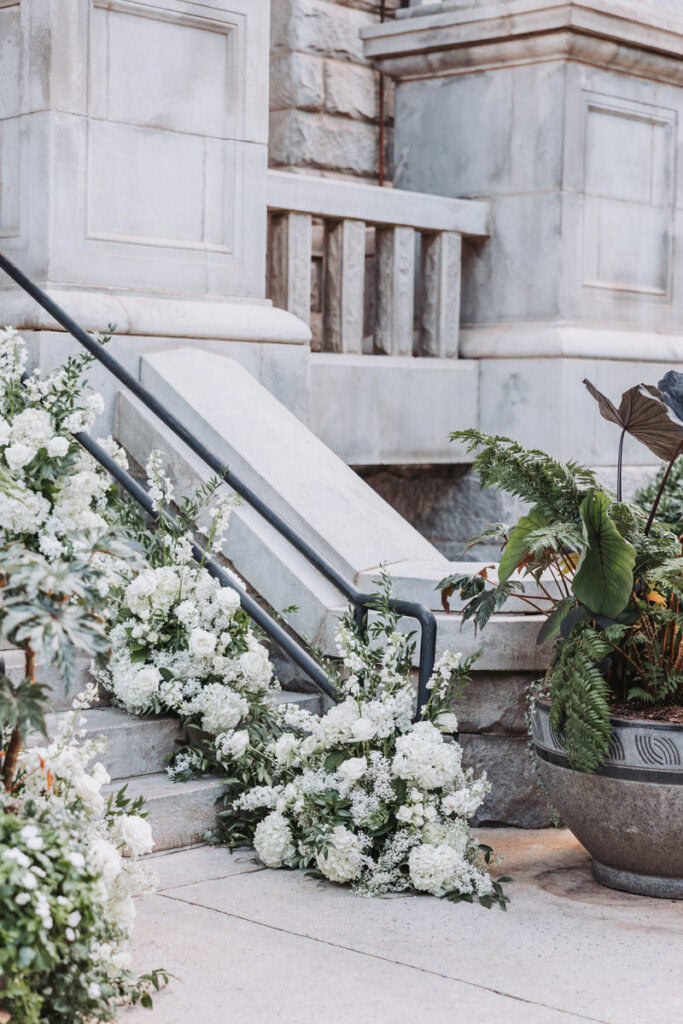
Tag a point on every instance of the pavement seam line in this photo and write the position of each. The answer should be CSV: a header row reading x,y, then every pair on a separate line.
x,y
384,959
217,878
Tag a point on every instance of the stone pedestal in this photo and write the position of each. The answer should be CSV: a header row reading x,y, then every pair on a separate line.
x,y
133,160
566,116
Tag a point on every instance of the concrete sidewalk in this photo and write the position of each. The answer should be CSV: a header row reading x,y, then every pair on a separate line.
x,y
253,946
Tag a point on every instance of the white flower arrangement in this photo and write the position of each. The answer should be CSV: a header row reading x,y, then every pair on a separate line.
x,y
51,489
71,861
365,795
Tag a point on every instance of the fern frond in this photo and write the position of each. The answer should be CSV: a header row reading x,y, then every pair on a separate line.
x,y
557,488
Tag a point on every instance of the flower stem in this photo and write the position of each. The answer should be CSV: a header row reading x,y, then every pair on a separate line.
x,y
661,491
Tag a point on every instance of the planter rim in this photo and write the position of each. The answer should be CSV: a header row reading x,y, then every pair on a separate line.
x,y
639,751
628,723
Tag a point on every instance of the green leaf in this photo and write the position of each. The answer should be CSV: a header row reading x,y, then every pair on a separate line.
x,y
516,547
552,625
604,577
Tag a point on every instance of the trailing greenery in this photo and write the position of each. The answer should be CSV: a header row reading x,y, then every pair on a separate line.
x,y
606,575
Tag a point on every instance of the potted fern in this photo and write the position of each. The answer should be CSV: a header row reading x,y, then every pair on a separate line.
x,y
607,575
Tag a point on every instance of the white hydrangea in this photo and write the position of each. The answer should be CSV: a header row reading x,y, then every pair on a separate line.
x,y
342,860
220,708
423,757
274,842
439,869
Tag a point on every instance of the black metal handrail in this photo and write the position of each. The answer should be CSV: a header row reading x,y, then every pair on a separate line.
x,y
360,600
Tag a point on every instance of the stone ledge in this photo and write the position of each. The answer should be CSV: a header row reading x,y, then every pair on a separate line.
x,y
156,315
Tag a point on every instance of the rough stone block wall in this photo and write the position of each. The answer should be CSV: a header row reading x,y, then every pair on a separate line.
x,y
324,95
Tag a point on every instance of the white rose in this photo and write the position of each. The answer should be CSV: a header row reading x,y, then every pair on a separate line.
x,y
363,729
105,860
57,447
147,680
286,747
88,789
447,722
135,833
352,769
228,600
19,455
202,643
251,663
5,431
404,814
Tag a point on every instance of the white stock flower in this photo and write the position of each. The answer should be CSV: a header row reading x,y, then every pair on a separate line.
x,y
32,427
87,789
446,722
343,859
273,841
233,745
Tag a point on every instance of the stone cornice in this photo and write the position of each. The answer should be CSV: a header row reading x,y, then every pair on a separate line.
x,y
623,35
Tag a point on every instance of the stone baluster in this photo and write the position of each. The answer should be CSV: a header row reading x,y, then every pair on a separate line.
x,y
290,252
395,255
441,274
343,287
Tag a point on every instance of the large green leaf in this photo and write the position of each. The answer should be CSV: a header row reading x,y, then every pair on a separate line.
x,y
604,577
516,547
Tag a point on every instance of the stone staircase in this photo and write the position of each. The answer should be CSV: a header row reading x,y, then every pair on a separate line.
x,y
136,754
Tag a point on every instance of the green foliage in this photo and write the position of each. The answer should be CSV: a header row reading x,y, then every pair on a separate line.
x,y
22,706
670,510
604,577
53,931
557,488
609,583
579,694
517,547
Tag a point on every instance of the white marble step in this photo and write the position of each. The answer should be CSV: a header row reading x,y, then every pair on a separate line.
x,y
142,746
180,813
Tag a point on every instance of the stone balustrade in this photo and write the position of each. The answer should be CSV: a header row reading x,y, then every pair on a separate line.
x,y
417,246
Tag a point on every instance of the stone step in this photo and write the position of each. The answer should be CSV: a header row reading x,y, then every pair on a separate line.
x,y
135,746
60,698
180,813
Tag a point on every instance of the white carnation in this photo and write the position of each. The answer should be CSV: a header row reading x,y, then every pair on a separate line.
x,y
286,748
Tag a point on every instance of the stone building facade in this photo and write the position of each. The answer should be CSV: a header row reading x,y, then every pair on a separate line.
x,y
324,92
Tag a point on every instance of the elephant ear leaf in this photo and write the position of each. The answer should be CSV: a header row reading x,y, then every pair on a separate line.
x,y
516,547
645,415
604,578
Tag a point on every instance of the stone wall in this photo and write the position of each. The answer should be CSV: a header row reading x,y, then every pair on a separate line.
x,y
324,94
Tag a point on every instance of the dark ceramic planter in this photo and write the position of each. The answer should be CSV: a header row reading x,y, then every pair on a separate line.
x,y
629,815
